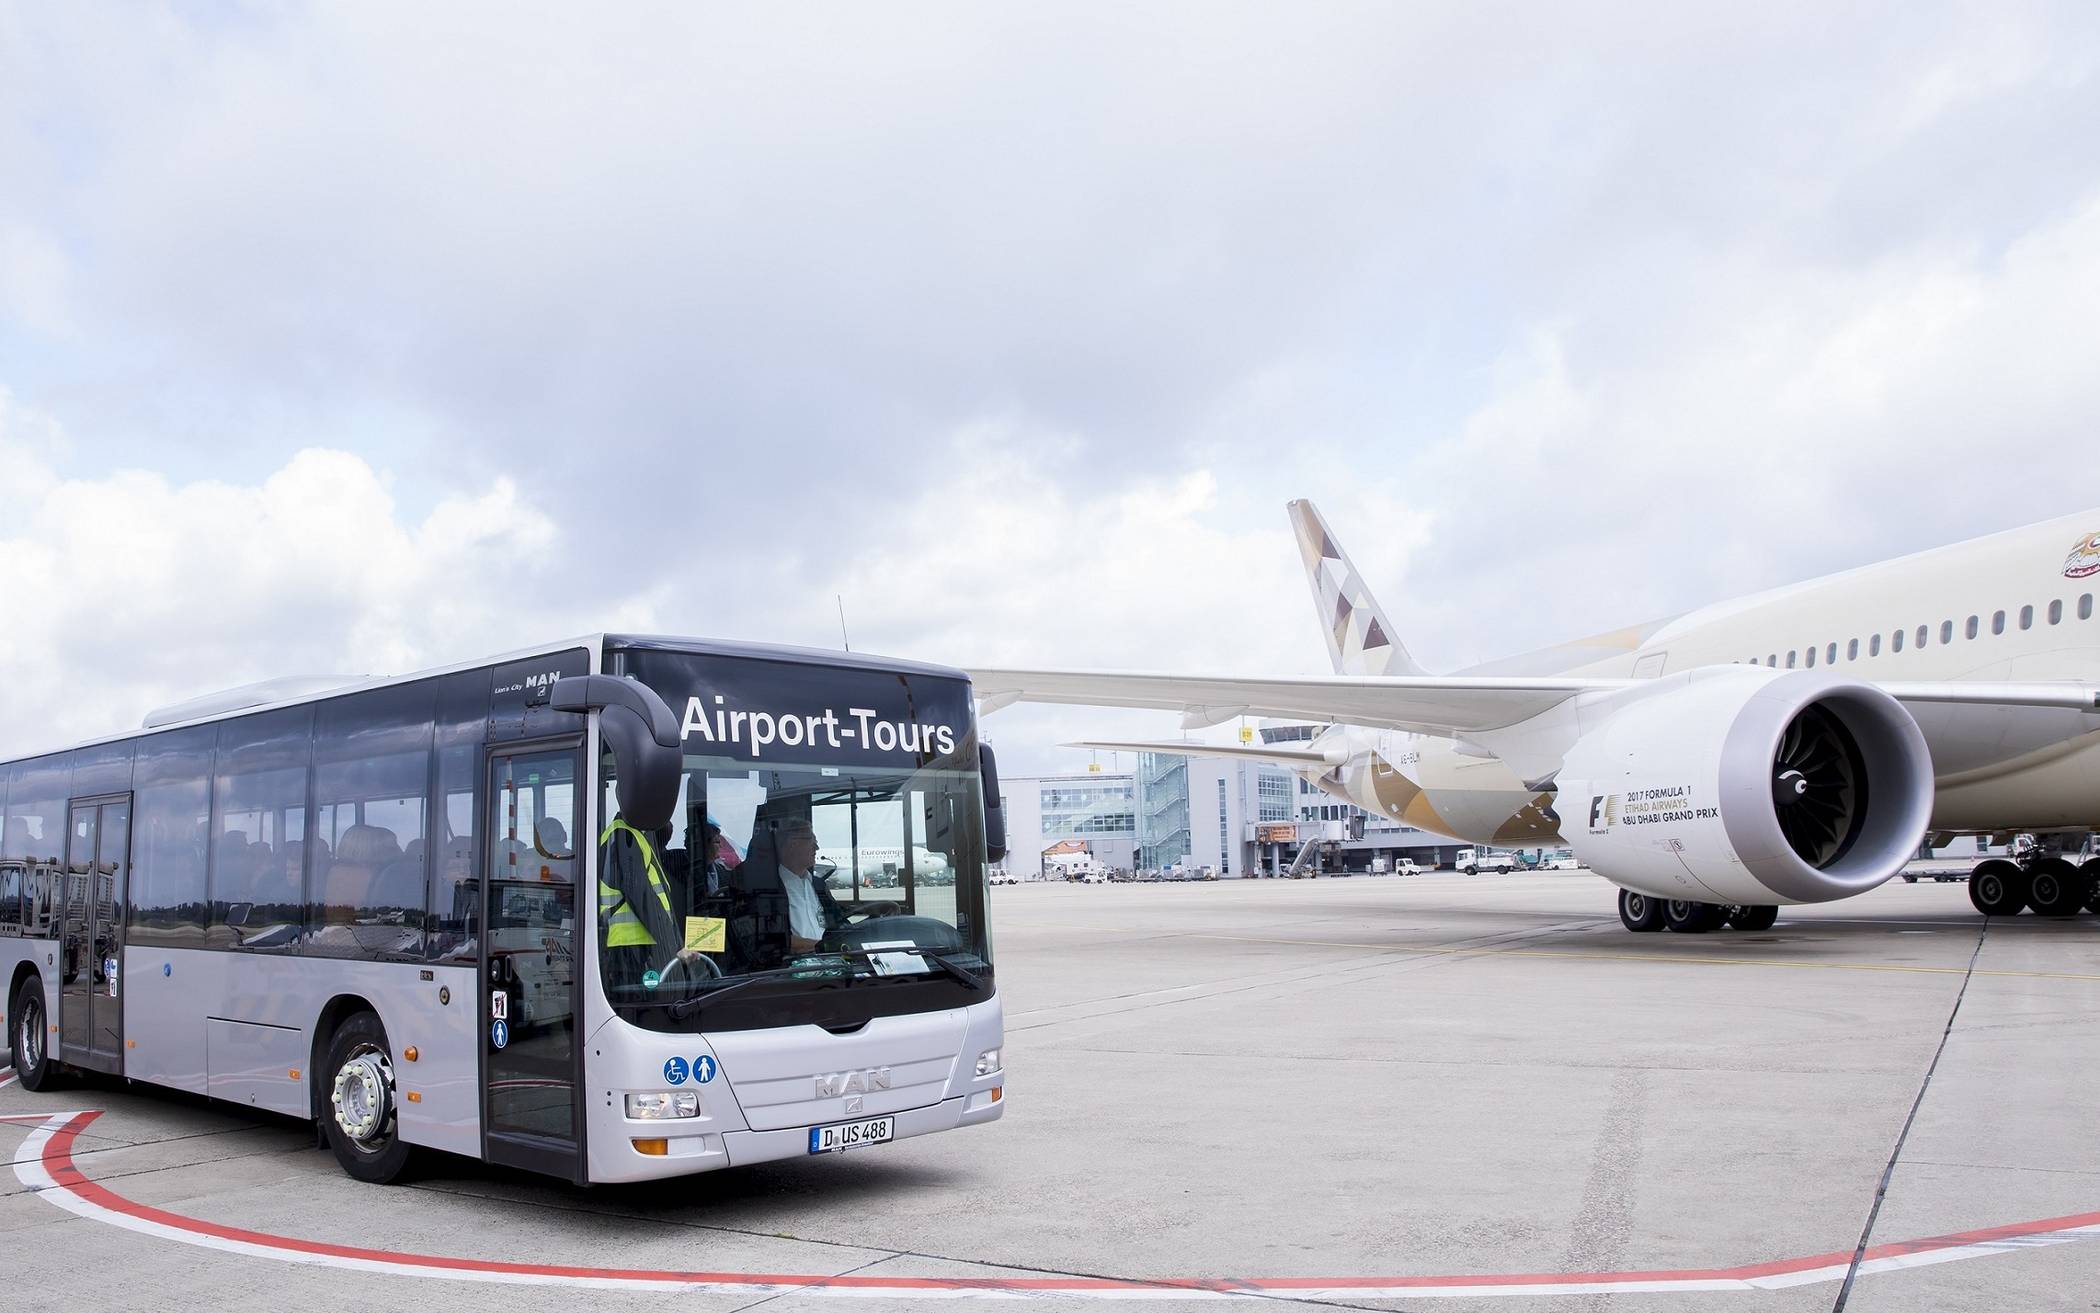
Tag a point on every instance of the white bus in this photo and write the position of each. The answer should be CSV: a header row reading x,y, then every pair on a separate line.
x,y
378,907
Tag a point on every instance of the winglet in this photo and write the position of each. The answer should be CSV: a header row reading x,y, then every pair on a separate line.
x,y
1360,640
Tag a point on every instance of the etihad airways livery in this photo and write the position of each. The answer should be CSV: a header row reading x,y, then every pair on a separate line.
x,y
1794,746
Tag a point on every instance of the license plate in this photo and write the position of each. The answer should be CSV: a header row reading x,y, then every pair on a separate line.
x,y
852,1135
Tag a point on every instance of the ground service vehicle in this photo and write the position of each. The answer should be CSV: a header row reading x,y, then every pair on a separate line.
x,y
1472,861
417,910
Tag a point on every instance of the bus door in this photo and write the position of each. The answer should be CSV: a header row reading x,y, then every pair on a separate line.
x,y
98,858
531,989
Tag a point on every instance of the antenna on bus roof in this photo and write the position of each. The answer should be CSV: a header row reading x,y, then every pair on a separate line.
x,y
843,640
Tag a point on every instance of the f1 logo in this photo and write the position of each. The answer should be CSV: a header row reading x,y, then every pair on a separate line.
x,y
1602,813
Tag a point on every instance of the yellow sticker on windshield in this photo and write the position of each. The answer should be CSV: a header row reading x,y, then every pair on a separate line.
x,y
703,934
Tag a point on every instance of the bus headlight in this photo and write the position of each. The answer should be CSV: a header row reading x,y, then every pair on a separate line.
x,y
663,1104
987,1062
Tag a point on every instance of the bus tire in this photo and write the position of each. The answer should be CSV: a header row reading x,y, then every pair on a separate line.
x,y
360,1102
29,1039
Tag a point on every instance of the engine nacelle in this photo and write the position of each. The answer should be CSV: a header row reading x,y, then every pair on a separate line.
x,y
1746,785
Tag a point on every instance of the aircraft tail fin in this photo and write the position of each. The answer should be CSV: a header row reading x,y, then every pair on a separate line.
x,y
1360,640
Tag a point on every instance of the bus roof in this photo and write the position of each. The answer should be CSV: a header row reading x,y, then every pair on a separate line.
x,y
270,695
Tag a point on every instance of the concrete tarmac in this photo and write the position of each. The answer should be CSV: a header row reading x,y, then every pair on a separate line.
x,y
1359,1083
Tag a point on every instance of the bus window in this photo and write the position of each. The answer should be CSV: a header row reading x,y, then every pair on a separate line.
x,y
259,846
371,784
455,893
171,827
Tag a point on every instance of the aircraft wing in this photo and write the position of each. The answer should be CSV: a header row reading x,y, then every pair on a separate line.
x,y
1295,758
1425,704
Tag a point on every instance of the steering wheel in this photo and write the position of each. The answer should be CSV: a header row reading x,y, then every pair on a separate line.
x,y
869,911
679,970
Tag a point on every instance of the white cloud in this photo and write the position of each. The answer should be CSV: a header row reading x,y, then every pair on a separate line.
x,y
126,591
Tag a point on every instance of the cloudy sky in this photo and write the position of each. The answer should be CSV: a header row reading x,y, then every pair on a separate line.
x,y
366,337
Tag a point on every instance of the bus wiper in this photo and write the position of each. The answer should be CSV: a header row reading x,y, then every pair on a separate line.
x,y
685,1007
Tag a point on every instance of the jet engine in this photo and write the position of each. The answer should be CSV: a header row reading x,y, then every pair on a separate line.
x,y
1744,785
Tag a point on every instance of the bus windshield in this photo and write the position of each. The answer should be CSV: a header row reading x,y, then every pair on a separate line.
x,y
827,880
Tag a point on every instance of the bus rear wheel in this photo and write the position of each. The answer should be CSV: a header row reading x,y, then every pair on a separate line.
x,y
360,1103
28,1038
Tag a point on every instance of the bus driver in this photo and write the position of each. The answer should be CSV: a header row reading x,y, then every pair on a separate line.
x,y
812,911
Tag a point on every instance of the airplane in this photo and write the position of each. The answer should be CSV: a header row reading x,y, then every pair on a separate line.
x,y
1793,746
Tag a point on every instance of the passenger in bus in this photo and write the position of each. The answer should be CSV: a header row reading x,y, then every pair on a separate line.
x,y
550,844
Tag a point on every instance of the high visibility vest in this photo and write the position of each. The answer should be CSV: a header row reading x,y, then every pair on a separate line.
x,y
624,928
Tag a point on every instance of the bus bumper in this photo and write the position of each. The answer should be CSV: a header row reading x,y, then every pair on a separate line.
x,y
747,1147
703,1152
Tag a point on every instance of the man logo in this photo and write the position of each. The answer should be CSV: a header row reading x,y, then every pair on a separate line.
x,y
1604,809
853,1082
2084,558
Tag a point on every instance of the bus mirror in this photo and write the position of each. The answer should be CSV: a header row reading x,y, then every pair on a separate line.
x,y
994,812
643,734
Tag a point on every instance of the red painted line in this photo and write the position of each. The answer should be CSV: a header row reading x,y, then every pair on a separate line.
x,y
57,1159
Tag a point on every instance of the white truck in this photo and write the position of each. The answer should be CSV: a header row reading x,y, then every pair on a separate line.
x,y
1472,861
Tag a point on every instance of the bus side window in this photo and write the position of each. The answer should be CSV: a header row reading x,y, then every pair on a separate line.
x,y
455,809
371,789
171,828
259,844
10,897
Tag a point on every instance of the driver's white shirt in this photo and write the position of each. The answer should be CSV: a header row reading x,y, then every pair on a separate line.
x,y
805,912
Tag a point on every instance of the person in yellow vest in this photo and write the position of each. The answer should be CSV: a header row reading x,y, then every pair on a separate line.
x,y
638,928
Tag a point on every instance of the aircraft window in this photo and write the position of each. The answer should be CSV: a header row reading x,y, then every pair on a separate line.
x,y
1772,660
1790,657
2026,617
1873,645
1998,622
1811,658
2085,606
2056,611
1970,629
1896,641
1946,631
1830,654
1852,650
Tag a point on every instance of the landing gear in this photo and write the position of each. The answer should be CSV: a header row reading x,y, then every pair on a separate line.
x,y
2055,887
1998,888
1762,917
1645,914
1640,913
1694,918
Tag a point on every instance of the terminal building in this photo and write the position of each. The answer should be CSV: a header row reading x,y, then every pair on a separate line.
x,y
1205,815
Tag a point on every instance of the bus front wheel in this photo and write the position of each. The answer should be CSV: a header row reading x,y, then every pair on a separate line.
x,y
29,1039
360,1102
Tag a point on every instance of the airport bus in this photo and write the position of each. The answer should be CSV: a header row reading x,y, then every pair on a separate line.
x,y
383,906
